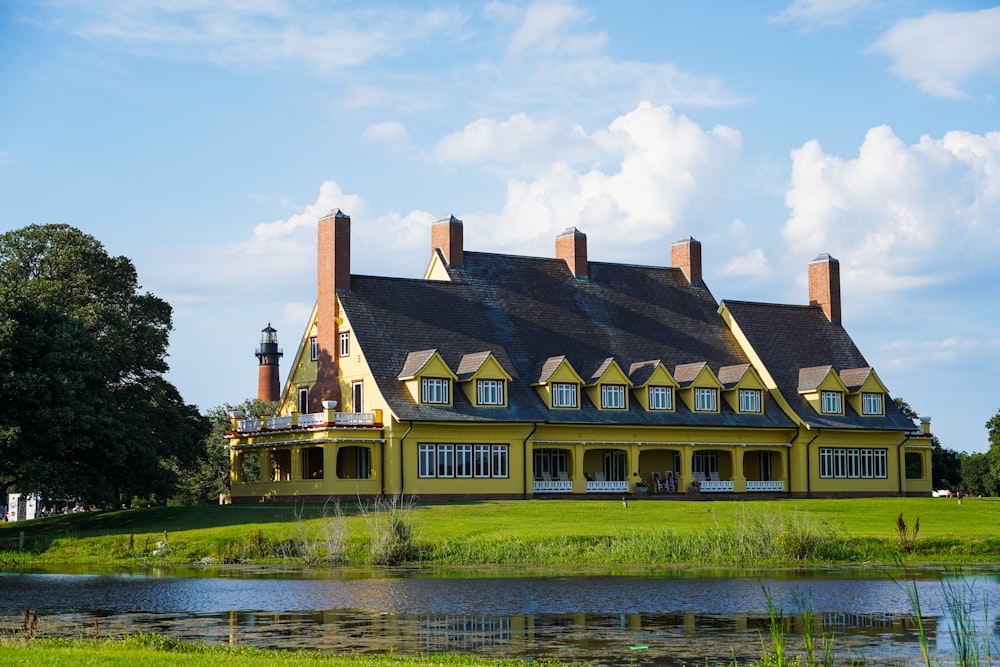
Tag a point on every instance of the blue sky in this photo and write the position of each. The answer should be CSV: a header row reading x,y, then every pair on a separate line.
x,y
203,138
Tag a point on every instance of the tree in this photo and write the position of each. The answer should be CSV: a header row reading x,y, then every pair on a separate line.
x,y
113,330
210,478
993,453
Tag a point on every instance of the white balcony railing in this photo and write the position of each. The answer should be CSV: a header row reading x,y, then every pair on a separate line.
x,y
309,420
606,487
721,486
771,485
540,486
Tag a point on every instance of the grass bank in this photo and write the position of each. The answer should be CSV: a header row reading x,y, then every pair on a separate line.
x,y
540,532
159,651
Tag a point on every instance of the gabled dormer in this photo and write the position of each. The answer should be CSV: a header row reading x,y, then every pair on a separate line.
x,y
865,391
821,386
483,380
742,388
609,386
698,387
428,378
559,384
653,386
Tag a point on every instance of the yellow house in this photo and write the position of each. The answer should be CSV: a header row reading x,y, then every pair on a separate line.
x,y
501,376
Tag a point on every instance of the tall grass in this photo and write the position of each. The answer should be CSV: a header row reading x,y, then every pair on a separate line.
x,y
391,530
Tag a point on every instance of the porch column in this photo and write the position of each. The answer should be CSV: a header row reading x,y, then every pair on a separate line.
x,y
236,466
739,478
579,481
330,460
633,466
687,463
266,466
296,467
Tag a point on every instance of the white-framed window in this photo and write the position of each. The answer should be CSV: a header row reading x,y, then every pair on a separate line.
x,y
871,403
446,461
705,462
661,398
481,461
750,400
358,395
345,344
303,400
426,460
463,461
613,396
313,349
852,463
500,464
832,402
489,392
434,390
564,395
706,399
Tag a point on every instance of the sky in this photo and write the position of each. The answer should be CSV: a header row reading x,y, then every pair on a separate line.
x,y
204,138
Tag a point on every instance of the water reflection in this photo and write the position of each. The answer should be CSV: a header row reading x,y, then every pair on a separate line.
x,y
592,619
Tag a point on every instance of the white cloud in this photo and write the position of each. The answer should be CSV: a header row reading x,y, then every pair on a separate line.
x,y
548,28
517,140
232,32
663,168
898,215
821,13
942,50
753,265
391,133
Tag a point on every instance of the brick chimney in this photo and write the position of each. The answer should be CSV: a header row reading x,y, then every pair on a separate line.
x,y
571,246
447,236
333,274
824,286
685,255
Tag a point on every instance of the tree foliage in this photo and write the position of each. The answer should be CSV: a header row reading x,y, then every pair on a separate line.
x,y
86,409
210,477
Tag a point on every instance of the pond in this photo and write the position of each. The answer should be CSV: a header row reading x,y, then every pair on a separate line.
x,y
661,618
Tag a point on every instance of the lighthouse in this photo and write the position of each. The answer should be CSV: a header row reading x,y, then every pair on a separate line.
x,y
268,354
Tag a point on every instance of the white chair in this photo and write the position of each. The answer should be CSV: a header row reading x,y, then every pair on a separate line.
x,y
546,477
713,476
598,476
657,483
563,476
669,481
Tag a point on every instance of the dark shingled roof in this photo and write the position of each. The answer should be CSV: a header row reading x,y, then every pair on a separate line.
x,y
530,313
798,345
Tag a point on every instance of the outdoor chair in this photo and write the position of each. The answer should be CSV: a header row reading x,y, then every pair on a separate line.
x,y
599,476
563,476
657,483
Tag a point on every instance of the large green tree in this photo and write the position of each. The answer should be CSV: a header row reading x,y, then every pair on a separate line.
x,y
141,430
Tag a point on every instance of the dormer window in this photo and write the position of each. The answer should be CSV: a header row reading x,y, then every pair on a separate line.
x,y
832,402
871,403
613,396
564,395
750,400
661,398
706,399
313,349
434,390
489,392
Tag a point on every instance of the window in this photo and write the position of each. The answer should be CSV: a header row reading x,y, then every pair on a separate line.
x,y
434,390
563,395
831,402
661,398
303,402
852,463
345,344
613,396
489,392
750,400
357,395
871,403
462,461
313,349
705,399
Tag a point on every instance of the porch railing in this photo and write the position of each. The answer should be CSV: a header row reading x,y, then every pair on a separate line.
x,y
721,486
770,485
606,487
540,486
309,420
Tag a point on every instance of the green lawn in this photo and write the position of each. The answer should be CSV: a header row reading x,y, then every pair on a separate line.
x,y
535,531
